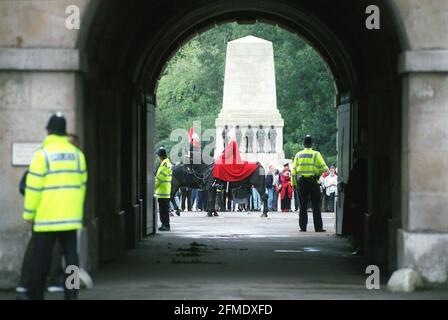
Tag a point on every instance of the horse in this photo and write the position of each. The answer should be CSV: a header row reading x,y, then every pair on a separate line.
x,y
191,176
201,176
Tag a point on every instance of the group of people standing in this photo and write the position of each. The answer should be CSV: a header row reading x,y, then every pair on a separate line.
x,y
190,199
281,194
279,185
309,181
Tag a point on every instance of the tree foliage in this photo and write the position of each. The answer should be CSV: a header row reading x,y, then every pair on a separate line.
x,y
191,86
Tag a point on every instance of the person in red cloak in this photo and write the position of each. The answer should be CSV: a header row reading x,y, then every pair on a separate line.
x,y
229,167
286,189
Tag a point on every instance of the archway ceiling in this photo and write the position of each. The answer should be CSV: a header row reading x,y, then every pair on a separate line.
x,y
137,38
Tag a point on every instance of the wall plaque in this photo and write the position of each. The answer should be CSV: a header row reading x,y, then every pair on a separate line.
x,y
23,152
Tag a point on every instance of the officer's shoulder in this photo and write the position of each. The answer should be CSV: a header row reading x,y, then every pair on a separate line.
x,y
78,151
39,154
166,163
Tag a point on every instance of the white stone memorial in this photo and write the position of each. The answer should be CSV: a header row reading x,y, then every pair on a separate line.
x,y
250,99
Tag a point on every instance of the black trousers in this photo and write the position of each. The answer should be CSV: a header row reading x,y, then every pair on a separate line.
x,y
43,247
308,188
296,199
220,200
285,203
330,201
226,198
56,276
202,200
164,211
275,201
186,198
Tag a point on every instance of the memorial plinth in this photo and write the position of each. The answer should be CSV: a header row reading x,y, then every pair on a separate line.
x,y
250,99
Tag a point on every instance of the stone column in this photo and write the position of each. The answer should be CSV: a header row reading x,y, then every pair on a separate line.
x,y
423,239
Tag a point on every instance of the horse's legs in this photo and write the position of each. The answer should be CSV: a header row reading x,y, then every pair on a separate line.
x,y
211,202
264,197
174,189
230,199
215,213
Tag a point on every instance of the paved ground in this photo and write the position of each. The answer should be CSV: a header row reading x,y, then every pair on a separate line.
x,y
239,256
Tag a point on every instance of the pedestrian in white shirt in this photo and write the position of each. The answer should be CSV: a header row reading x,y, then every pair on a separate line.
x,y
331,188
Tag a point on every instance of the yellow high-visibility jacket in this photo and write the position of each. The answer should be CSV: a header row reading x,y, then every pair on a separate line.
x,y
163,180
56,186
307,163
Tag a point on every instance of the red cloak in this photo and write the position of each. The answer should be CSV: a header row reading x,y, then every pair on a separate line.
x,y
230,167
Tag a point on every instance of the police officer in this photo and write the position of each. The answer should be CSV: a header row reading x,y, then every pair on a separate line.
x,y
163,188
54,202
308,166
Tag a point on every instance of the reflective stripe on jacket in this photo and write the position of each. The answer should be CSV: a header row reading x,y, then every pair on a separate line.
x,y
163,180
307,163
56,186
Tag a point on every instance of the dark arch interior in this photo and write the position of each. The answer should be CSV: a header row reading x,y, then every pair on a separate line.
x,y
128,44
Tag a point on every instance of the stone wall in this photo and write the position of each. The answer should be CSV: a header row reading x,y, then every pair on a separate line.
x,y
39,75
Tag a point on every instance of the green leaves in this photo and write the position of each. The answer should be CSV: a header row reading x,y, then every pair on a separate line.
x,y
192,86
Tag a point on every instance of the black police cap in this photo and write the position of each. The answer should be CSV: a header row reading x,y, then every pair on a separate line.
x,y
161,152
308,141
57,124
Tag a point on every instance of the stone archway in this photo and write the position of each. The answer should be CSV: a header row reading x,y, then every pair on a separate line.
x,y
128,47
397,76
